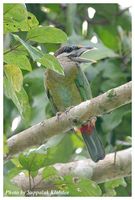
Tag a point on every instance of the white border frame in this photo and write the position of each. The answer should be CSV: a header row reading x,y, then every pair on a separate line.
x,y
130,3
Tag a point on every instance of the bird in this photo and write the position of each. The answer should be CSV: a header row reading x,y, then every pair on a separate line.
x,y
72,88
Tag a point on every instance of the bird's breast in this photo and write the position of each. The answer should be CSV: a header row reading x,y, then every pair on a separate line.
x,y
63,90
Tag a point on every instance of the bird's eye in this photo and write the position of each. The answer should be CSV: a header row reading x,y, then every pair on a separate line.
x,y
70,49
67,49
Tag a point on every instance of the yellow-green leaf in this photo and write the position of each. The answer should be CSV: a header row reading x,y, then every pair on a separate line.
x,y
20,60
20,99
31,20
14,74
16,18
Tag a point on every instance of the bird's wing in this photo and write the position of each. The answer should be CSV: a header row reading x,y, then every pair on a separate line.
x,y
54,108
83,85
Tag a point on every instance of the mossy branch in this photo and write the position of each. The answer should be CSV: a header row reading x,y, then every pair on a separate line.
x,y
99,172
39,133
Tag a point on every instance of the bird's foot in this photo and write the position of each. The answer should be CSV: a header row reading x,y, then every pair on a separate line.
x,y
68,109
75,121
58,114
93,121
43,123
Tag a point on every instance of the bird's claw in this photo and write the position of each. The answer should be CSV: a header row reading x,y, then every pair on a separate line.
x,y
42,123
58,115
68,109
93,121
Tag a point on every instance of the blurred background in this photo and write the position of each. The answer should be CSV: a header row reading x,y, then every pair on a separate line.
x,y
99,25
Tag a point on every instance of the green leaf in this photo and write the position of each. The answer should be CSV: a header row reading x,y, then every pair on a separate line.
x,y
78,187
31,20
106,10
14,74
125,43
115,183
34,52
47,35
24,104
15,11
49,61
34,173
88,188
36,94
111,185
32,161
20,99
125,21
9,91
60,152
16,18
10,188
128,140
20,60
14,171
123,191
100,52
112,70
113,119
77,142
112,74
16,163
108,37
52,142
20,50
49,172
6,150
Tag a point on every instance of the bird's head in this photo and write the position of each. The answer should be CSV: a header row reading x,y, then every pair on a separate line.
x,y
69,58
73,53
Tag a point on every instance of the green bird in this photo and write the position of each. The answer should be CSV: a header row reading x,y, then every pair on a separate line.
x,y
72,89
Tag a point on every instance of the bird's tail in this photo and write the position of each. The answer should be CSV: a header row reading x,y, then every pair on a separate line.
x,y
93,142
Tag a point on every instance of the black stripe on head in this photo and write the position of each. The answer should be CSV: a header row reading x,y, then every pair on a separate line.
x,y
66,49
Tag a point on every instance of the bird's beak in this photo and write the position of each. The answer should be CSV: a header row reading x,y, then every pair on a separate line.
x,y
83,60
82,50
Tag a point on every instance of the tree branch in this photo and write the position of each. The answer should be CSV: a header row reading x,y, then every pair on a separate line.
x,y
75,116
99,172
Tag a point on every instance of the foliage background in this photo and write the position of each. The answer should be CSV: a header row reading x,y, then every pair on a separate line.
x,y
25,101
